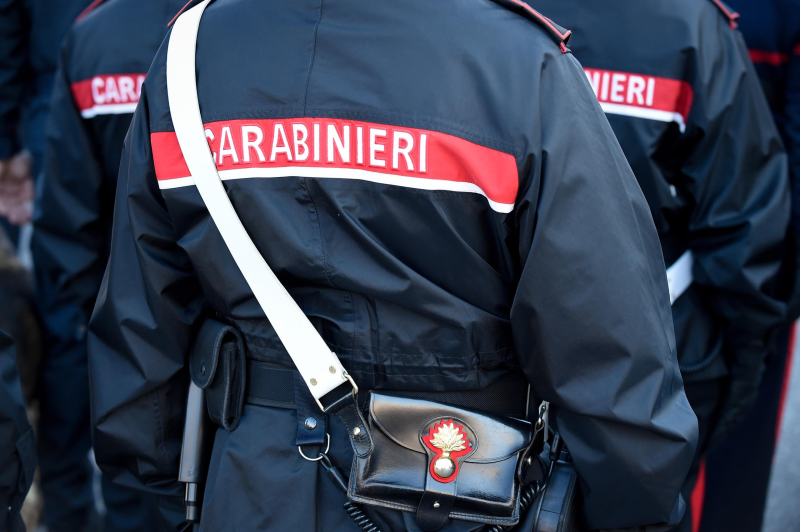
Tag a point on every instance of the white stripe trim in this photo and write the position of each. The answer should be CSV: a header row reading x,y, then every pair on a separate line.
x,y
109,109
176,183
680,276
639,112
345,173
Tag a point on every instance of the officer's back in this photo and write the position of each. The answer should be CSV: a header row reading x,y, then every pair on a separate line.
x,y
436,186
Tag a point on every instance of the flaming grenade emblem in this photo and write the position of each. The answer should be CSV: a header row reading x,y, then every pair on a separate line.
x,y
449,441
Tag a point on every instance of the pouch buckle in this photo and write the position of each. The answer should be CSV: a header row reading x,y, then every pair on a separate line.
x,y
338,400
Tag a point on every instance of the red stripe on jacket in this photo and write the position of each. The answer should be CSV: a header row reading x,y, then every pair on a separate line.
x,y
378,151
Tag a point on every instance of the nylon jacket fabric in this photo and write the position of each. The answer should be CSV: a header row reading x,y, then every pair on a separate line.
x,y
17,449
103,62
546,261
31,32
693,122
104,58
772,33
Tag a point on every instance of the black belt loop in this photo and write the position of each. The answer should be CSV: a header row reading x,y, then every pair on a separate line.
x,y
312,425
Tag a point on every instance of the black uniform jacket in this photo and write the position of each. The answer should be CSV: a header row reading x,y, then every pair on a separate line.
x,y
678,88
103,63
437,187
30,34
771,30
17,448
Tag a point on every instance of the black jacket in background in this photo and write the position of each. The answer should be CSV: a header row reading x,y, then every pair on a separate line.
x,y
103,63
771,29
30,36
17,447
684,101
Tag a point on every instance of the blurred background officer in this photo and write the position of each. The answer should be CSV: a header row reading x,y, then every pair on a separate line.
x,y
507,235
690,116
17,449
31,32
771,29
103,63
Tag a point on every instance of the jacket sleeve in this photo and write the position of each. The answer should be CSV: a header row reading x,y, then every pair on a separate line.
x,y
736,174
591,317
17,449
12,61
70,230
139,336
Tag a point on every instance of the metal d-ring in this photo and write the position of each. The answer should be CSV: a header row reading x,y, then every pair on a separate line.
x,y
318,458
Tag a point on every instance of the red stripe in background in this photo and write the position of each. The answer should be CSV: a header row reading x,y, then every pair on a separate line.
x,y
787,378
769,58
671,95
449,158
697,497
107,89
88,9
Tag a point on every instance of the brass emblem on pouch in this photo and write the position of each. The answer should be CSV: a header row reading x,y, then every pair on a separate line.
x,y
448,440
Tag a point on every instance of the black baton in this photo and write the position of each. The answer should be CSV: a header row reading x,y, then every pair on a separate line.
x,y
194,451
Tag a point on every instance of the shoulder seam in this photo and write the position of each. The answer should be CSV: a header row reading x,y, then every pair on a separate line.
x,y
559,35
729,13
91,7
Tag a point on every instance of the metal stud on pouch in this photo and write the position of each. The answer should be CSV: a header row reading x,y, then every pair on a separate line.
x,y
444,467
436,504
356,431
311,423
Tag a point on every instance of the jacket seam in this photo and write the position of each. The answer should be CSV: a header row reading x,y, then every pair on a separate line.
x,y
319,231
313,54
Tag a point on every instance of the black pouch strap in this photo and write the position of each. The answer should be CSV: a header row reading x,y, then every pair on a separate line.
x,y
531,467
434,507
312,423
218,365
346,408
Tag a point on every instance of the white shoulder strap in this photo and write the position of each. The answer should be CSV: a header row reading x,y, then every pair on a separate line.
x,y
319,367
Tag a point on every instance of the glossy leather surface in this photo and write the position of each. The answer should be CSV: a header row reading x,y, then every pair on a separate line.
x,y
401,418
396,474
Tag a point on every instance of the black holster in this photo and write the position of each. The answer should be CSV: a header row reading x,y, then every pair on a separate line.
x,y
217,365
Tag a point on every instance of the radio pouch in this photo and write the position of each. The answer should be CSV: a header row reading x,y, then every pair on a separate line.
x,y
217,365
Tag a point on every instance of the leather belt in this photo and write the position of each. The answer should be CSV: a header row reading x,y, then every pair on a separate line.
x,y
271,385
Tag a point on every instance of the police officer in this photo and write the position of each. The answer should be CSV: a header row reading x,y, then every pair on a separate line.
x,y
17,448
30,35
692,120
438,189
771,30
102,65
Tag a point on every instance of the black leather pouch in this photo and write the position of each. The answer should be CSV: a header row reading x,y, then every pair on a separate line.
x,y
441,461
217,365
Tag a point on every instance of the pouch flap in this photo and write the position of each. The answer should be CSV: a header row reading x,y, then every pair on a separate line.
x,y
205,354
402,419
